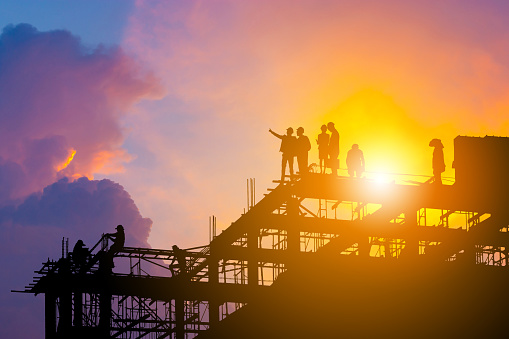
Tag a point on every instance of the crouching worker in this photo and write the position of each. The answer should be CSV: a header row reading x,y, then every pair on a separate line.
x,y
80,254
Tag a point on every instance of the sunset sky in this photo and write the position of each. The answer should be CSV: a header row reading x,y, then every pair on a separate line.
x,y
166,106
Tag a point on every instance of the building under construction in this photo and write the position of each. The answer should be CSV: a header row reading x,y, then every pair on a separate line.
x,y
318,257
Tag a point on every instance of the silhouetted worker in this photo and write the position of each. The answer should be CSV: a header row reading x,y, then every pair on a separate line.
x,y
323,148
355,161
438,160
303,147
118,240
333,148
180,256
287,149
79,253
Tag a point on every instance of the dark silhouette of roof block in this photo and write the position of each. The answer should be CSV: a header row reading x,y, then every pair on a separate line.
x,y
482,163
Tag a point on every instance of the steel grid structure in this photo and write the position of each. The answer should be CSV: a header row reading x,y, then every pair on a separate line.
x,y
181,293
190,293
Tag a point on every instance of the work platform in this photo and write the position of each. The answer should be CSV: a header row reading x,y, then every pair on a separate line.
x,y
320,256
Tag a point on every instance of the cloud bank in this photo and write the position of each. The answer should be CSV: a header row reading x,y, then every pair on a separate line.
x,y
61,111
58,97
32,231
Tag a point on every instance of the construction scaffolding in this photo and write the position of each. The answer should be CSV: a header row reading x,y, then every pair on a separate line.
x,y
277,245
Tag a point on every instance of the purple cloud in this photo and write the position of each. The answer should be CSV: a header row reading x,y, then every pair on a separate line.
x,y
58,96
31,232
85,208
61,105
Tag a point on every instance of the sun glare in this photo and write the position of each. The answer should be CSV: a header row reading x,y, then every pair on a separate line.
x,y
381,178
385,130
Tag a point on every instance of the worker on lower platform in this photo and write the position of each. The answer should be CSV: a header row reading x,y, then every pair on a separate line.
x,y
438,160
118,243
180,257
118,239
355,161
80,253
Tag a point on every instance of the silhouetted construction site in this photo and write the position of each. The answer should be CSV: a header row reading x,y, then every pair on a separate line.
x,y
320,256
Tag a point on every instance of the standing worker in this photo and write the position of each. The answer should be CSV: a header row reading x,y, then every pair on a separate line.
x,y
323,148
287,149
438,160
333,148
355,161
303,147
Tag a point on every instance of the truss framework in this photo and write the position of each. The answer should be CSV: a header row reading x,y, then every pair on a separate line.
x,y
178,293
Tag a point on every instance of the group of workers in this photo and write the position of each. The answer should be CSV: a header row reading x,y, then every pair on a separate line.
x,y
291,147
328,152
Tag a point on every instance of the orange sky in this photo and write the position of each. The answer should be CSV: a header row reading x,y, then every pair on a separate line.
x,y
392,75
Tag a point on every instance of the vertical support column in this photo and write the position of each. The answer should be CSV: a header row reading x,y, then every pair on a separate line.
x,y
364,246
64,314
50,315
252,246
104,314
470,254
293,235
214,281
411,243
179,317
78,309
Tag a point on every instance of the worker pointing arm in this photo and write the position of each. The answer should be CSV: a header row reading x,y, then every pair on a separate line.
x,y
287,149
275,134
